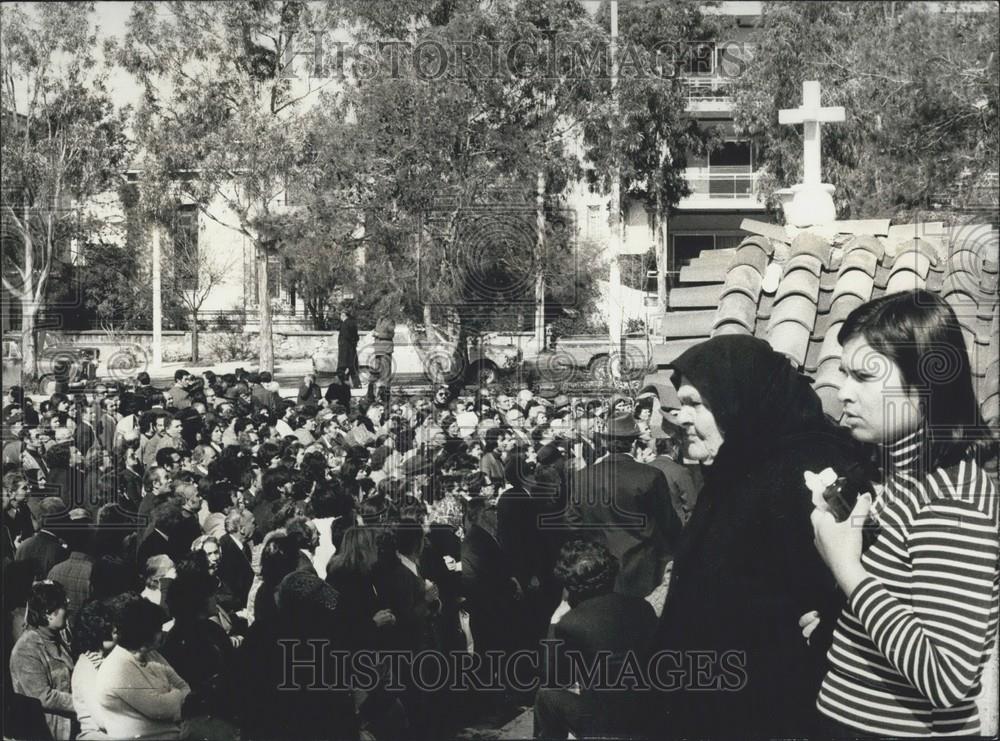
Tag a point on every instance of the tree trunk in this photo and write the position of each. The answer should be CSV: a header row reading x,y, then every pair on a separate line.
x,y
194,337
266,341
427,315
29,356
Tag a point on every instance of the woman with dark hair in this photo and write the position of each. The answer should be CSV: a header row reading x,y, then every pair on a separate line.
x,y
745,568
350,572
910,646
278,558
138,693
94,635
40,664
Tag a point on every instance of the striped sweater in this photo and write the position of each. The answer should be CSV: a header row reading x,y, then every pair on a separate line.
x,y
910,646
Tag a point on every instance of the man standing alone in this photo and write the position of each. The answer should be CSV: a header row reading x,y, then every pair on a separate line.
x,y
347,348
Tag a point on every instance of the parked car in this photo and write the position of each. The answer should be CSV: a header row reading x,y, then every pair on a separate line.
x,y
591,358
423,355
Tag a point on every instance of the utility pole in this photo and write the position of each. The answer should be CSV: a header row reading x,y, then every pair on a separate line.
x,y
539,257
615,220
157,301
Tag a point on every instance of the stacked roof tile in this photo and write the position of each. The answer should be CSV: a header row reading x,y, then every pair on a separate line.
x,y
795,289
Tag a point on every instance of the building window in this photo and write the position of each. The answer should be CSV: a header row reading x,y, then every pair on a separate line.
x,y
186,256
275,273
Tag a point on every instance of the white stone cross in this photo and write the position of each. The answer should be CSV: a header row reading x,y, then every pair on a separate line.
x,y
811,115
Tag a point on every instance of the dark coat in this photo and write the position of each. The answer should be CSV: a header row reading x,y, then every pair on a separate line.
x,y
85,437
616,626
347,344
358,602
154,544
401,591
310,394
683,481
626,505
494,614
261,398
44,550
746,568
235,568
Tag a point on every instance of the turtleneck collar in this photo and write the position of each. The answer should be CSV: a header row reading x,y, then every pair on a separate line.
x,y
48,634
904,455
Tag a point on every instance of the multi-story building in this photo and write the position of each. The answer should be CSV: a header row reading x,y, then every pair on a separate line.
x,y
723,184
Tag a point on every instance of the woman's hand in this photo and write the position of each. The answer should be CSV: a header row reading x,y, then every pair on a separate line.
x,y
839,543
809,622
383,618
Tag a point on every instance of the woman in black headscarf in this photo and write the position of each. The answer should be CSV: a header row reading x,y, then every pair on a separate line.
x,y
745,569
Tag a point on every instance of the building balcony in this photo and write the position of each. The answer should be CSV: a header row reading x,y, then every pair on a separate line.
x,y
709,95
713,189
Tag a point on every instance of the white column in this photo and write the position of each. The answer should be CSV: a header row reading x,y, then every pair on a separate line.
x,y
157,302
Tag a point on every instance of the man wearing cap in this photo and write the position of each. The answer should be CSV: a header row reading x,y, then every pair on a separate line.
x,y
625,505
45,549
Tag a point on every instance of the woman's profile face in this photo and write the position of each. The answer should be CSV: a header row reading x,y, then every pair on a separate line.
x,y
878,408
703,438
57,619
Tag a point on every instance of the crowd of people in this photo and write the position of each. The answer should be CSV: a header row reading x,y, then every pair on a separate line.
x,y
215,560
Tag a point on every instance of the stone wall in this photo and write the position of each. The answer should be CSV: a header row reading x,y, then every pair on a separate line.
x,y
131,349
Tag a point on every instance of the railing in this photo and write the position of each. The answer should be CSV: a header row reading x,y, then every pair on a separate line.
x,y
722,185
708,90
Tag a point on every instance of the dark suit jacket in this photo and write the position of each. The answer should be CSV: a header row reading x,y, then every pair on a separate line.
x,y
495,617
261,398
626,505
235,569
154,544
44,550
683,481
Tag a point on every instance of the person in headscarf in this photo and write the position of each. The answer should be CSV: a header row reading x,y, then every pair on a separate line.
x,y
745,567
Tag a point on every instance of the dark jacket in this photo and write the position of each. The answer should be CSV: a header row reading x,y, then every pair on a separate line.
x,y
746,568
261,398
620,629
235,568
347,344
44,550
626,505
495,617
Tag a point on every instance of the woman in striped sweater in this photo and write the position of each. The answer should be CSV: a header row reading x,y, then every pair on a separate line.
x,y
910,646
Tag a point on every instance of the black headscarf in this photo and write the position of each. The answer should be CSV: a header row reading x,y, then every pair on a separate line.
x,y
757,397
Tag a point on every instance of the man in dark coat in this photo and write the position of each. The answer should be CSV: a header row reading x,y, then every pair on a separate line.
x,y
347,348
45,549
261,397
626,506
235,561
745,568
600,623
493,594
